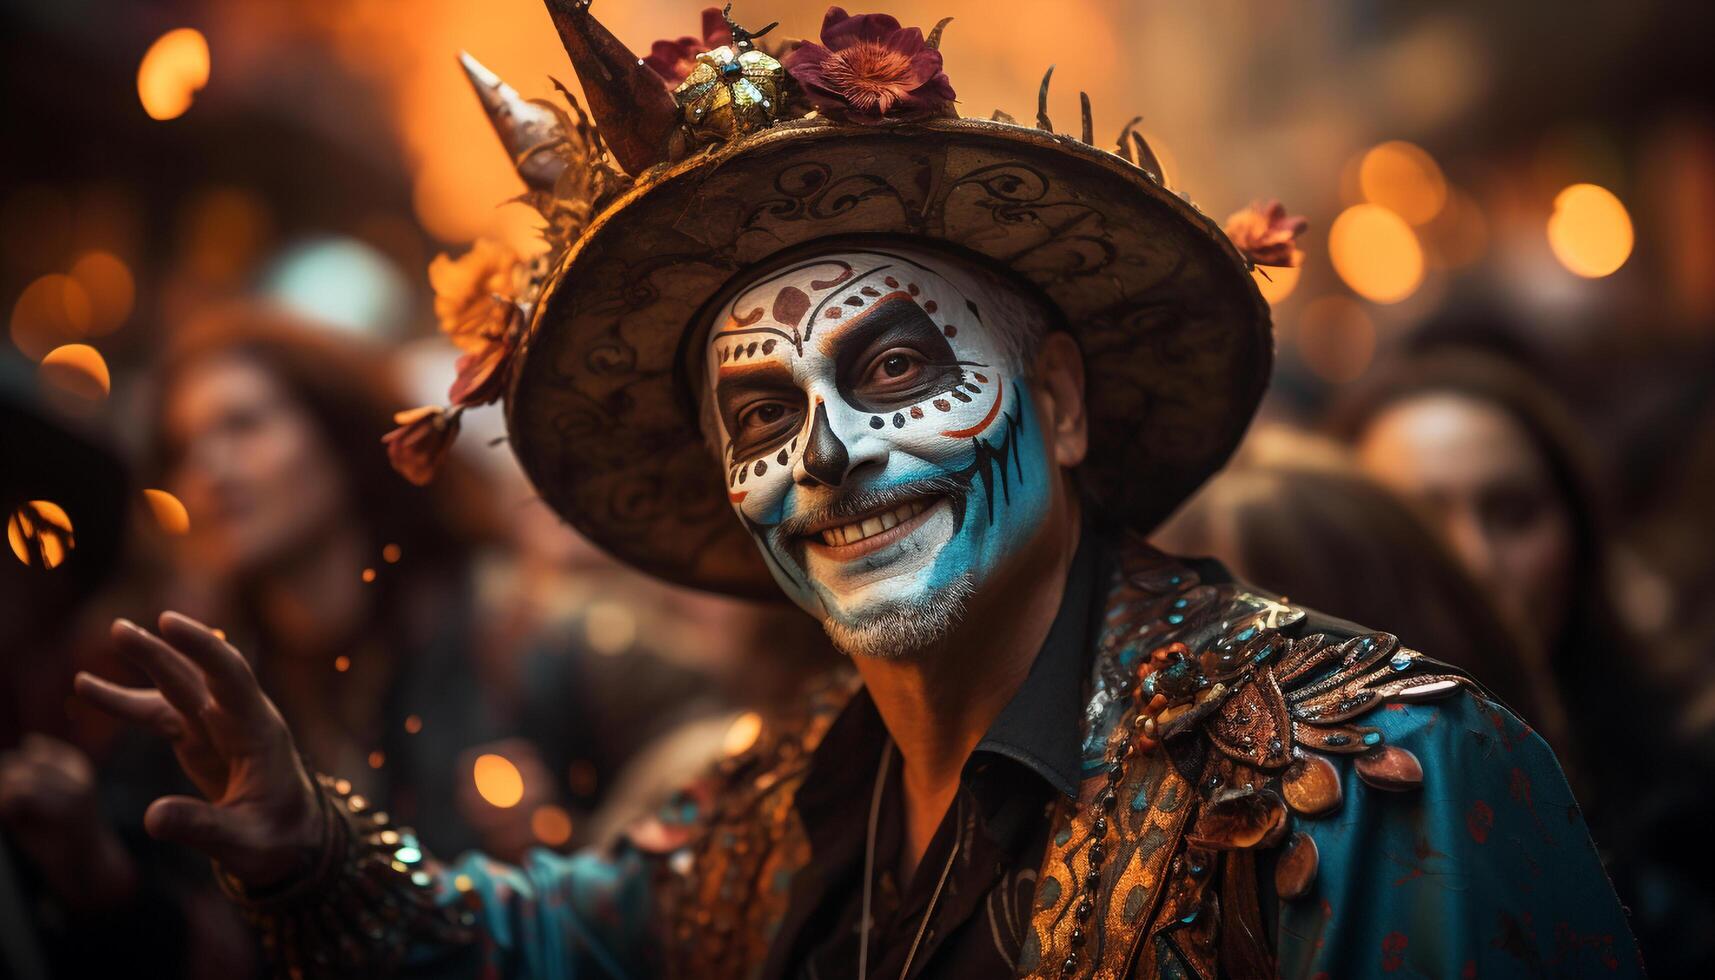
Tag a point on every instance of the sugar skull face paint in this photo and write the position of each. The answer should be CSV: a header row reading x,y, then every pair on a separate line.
x,y
878,439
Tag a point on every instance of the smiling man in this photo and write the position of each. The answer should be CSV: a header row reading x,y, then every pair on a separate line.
x,y
947,373
880,439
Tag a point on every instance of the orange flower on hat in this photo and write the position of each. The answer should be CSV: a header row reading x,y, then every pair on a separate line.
x,y
475,293
483,373
421,442
1266,234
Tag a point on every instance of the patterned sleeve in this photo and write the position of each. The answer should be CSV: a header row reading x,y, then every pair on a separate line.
x,y
1487,871
376,906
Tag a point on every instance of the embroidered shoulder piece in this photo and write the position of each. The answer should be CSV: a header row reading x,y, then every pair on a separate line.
x,y
1210,728
724,888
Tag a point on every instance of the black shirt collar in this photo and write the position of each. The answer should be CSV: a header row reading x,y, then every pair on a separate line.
x,y
1039,729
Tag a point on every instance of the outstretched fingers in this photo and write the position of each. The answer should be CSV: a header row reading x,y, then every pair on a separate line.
x,y
178,680
140,706
228,676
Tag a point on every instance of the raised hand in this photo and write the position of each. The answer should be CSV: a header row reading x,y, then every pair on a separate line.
x,y
261,821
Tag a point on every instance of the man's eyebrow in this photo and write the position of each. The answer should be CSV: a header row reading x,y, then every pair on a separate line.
x,y
894,312
739,377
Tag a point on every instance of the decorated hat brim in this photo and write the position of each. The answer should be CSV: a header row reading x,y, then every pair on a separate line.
x,y
1175,335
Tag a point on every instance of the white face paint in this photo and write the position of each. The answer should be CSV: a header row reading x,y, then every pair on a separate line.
x,y
878,438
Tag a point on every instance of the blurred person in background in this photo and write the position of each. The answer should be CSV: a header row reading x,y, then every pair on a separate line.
x,y
623,687
1495,461
1294,514
351,586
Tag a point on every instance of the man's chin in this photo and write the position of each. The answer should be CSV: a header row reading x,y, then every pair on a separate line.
x,y
901,629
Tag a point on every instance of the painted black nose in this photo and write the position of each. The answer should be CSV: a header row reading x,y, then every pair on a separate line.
x,y
825,455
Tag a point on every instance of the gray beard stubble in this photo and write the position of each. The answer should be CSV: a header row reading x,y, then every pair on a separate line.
x,y
906,629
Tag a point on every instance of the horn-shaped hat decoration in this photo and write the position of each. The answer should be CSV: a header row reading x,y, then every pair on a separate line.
x,y
529,131
635,113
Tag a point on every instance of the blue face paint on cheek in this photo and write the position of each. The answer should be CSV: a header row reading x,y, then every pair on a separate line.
x,y
1008,481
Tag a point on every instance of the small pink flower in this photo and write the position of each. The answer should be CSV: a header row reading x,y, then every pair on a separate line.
x,y
421,442
868,68
1266,234
673,60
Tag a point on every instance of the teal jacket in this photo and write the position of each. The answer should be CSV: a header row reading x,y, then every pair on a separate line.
x,y
1292,795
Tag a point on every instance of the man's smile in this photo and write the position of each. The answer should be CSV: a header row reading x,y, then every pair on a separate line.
x,y
861,535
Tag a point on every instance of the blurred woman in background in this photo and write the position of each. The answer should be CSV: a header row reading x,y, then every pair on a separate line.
x,y
351,586
1496,462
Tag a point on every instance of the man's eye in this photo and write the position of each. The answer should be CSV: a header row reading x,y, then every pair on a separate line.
x,y
895,366
765,414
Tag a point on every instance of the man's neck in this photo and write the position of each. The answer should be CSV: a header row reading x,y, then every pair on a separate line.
x,y
938,703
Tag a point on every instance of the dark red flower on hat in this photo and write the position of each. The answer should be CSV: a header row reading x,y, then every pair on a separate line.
x,y
868,68
421,442
483,371
673,60
1266,234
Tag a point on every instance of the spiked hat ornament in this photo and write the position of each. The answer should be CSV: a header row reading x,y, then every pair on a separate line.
x,y
715,154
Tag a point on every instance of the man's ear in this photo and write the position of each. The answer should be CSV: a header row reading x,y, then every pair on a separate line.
x,y
1058,379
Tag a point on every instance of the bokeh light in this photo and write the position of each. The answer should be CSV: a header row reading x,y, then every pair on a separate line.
x,y
610,627
1590,231
169,511
390,554
413,724
742,733
109,287
377,759
552,825
173,70
1376,253
77,369
1276,282
52,310
40,533
1336,338
498,781
1403,178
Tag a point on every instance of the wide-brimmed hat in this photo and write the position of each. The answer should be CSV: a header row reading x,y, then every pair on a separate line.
x,y
598,344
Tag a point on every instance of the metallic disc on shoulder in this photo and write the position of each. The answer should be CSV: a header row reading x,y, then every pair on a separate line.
x,y
1295,872
1390,767
1311,785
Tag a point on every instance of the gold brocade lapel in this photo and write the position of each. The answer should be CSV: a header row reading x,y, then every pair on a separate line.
x,y
1110,852
1209,732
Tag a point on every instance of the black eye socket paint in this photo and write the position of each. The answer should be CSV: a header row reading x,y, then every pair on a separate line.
x,y
894,321
740,389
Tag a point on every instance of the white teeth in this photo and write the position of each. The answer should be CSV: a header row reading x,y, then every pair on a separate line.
x,y
835,537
